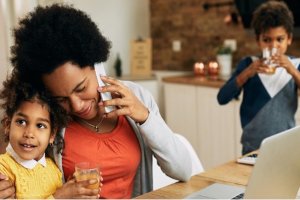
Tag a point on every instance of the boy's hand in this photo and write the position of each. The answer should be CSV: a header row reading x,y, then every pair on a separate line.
x,y
283,61
7,188
257,66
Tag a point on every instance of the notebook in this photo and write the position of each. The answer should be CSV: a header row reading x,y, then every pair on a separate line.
x,y
276,173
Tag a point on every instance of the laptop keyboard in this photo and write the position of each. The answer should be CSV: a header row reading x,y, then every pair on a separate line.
x,y
239,196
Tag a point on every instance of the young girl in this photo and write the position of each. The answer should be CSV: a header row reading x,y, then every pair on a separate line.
x,y
30,123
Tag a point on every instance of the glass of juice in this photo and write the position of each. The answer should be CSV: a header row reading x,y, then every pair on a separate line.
x,y
267,55
86,171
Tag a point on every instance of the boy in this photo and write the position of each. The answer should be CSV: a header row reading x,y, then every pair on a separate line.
x,y
269,100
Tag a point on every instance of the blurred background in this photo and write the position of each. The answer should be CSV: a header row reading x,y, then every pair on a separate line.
x,y
182,33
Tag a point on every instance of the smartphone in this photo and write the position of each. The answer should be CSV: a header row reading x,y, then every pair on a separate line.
x,y
248,159
99,69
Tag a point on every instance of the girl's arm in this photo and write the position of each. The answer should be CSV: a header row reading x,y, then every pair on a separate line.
x,y
78,190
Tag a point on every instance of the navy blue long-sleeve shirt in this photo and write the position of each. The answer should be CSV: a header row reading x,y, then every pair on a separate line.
x,y
268,105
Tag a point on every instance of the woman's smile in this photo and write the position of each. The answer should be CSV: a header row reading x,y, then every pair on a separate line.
x,y
85,112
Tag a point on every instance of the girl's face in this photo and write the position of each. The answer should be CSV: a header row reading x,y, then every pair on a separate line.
x,y
275,37
75,89
30,130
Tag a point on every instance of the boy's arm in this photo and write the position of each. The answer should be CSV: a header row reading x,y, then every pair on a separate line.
x,y
296,76
286,63
246,69
243,77
232,88
257,66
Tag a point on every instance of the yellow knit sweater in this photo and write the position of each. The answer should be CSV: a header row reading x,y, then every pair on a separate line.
x,y
39,182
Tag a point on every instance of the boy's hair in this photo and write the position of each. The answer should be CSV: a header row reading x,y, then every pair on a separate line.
x,y
15,92
272,14
53,35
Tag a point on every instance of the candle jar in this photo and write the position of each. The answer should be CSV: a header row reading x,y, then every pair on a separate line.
x,y
213,70
199,69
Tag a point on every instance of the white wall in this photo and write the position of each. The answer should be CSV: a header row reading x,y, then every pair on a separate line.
x,y
3,42
10,11
120,21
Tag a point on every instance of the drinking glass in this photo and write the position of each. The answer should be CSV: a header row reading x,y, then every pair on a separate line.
x,y
86,171
267,55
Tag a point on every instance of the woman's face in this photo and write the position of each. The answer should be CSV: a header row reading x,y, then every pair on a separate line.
x,y
75,89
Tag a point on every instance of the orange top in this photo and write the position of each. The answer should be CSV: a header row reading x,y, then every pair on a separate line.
x,y
118,154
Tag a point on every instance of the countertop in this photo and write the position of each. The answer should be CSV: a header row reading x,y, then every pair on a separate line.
x,y
137,78
195,80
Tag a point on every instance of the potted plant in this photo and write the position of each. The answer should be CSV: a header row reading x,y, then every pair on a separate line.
x,y
224,58
224,50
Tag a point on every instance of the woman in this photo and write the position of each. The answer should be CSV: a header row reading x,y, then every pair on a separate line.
x,y
56,48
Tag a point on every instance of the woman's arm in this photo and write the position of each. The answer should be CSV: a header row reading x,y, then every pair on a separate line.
x,y
7,188
171,154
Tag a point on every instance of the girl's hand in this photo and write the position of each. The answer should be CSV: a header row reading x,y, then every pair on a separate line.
x,y
124,99
78,190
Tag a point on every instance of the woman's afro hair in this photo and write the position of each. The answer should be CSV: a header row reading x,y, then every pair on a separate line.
x,y
53,35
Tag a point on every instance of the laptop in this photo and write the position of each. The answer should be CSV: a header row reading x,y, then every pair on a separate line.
x,y
276,173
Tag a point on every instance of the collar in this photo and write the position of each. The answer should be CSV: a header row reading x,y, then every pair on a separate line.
x,y
29,164
275,82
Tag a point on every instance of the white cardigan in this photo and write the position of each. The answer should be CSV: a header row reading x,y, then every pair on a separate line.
x,y
157,139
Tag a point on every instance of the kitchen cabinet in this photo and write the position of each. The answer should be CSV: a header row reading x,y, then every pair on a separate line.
x,y
216,128
149,83
192,110
180,111
213,130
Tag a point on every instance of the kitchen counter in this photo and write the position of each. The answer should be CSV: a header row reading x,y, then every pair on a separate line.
x,y
137,78
195,80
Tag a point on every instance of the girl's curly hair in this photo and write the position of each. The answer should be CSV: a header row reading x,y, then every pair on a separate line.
x,y
53,35
15,92
272,14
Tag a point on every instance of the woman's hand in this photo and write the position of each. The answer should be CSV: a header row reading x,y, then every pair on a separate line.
x,y
124,99
7,188
78,190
